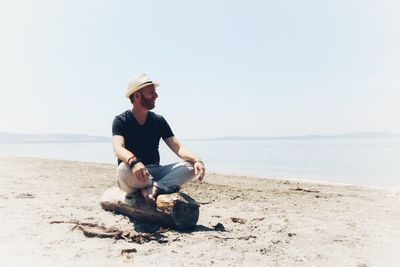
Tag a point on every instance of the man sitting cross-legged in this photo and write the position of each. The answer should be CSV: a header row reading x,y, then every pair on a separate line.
x,y
136,136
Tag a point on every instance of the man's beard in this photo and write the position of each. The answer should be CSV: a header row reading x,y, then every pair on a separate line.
x,y
147,103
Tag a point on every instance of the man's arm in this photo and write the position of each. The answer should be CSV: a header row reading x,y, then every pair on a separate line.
x,y
120,151
127,156
185,154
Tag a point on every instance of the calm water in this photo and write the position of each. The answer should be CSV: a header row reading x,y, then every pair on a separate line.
x,y
354,161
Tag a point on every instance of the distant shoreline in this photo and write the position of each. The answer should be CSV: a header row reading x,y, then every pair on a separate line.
x,y
302,137
16,138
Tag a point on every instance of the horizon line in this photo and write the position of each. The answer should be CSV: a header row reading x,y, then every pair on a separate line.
x,y
309,136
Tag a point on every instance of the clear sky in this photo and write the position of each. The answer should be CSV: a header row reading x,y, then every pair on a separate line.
x,y
225,68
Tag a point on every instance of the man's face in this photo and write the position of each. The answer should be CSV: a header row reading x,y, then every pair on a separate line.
x,y
148,96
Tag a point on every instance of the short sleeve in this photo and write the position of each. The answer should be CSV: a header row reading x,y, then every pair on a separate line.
x,y
117,127
166,131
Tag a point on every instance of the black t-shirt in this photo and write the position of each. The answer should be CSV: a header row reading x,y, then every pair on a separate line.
x,y
142,140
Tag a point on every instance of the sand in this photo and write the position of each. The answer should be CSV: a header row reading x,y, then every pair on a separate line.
x,y
244,221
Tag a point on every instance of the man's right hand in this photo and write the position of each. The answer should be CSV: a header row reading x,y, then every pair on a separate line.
x,y
141,172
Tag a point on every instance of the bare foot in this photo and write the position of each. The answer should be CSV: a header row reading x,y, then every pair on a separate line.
x,y
150,195
155,192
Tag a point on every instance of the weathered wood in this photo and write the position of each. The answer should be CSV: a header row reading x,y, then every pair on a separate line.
x,y
176,211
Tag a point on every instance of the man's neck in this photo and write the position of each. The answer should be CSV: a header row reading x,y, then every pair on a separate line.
x,y
140,114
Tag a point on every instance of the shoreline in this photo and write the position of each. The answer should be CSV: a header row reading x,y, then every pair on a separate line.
x,y
234,174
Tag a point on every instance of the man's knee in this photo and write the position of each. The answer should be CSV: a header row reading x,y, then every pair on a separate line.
x,y
185,165
128,180
185,170
124,173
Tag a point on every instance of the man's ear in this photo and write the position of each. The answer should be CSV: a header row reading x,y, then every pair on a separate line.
x,y
132,97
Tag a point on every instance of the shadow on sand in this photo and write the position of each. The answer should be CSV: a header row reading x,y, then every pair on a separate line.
x,y
145,227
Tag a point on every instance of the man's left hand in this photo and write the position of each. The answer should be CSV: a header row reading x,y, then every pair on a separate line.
x,y
199,169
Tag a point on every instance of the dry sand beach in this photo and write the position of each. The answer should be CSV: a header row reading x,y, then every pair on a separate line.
x,y
244,221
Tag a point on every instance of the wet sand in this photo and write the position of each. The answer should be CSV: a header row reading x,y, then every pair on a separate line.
x,y
244,221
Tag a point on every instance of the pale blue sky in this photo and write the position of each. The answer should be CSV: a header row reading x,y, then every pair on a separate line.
x,y
254,68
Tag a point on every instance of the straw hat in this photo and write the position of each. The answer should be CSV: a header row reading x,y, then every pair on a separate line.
x,y
138,82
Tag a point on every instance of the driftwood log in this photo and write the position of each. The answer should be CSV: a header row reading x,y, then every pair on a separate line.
x,y
176,211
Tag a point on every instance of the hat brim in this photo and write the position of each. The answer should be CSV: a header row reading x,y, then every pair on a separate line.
x,y
133,90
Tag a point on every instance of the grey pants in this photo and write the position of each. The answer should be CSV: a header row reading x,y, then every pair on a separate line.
x,y
167,177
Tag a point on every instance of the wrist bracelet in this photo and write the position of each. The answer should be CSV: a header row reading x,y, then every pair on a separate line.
x,y
129,160
198,161
134,162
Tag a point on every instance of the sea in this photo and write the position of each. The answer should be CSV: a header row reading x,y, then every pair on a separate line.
x,y
358,161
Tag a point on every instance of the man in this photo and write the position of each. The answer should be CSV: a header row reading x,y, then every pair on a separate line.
x,y
136,136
